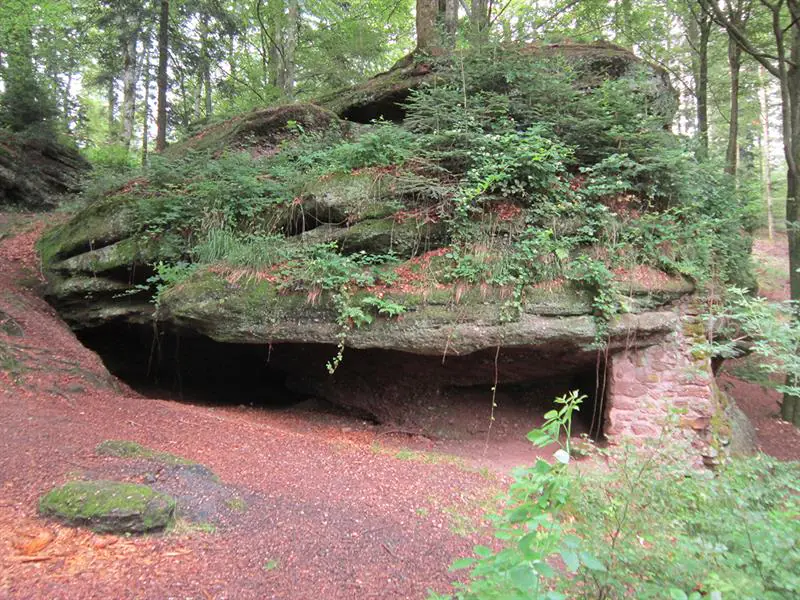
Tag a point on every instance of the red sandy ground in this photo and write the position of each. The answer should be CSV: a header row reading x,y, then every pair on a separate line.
x,y
338,517
345,521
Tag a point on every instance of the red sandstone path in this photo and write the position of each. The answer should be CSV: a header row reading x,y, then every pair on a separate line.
x,y
328,515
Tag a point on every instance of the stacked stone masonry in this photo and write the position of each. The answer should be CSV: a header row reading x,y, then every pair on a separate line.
x,y
655,387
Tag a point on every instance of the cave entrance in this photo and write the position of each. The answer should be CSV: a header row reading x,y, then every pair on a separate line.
x,y
443,397
389,107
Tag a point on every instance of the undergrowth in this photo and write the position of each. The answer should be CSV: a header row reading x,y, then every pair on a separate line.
x,y
647,526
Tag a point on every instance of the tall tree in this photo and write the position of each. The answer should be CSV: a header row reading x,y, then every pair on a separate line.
x,y
764,138
698,34
738,13
427,34
782,61
163,57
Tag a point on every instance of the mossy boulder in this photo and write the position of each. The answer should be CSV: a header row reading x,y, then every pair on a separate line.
x,y
36,171
383,96
109,506
388,221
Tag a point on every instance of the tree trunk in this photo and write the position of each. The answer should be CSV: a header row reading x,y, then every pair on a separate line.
x,y
448,13
292,24
111,100
702,87
479,21
427,34
790,95
146,107
766,171
128,87
732,152
205,65
275,9
163,55
197,93
65,103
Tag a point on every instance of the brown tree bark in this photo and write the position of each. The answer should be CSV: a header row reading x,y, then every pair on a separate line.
x,y
427,32
128,47
766,170
732,150
163,55
146,100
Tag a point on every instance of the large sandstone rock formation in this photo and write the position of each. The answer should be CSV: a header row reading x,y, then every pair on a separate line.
x,y
98,265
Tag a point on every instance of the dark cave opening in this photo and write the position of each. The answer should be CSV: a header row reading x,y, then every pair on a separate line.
x,y
389,108
449,399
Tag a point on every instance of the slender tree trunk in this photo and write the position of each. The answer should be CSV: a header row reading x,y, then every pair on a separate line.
x,y
111,100
277,17
702,87
732,152
292,24
448,12
65,99
790,95
197,93
163,55
128,87
766,171
479,21
206,66
146,100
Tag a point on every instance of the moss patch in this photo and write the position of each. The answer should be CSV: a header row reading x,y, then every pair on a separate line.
x,y
128,449
109,506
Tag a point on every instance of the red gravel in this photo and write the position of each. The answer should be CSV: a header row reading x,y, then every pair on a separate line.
x,y
335,518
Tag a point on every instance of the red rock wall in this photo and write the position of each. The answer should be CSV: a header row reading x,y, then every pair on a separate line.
x,y
666,390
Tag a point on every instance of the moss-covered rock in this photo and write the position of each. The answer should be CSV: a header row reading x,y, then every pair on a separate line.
x,y
260,131
36,172
383,96
109,506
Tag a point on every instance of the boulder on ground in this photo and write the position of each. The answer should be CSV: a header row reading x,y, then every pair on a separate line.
x,y
109,506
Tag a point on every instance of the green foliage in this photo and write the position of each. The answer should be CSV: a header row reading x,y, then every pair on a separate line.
x,y
111,158
647,527
770,331
530,528
666,532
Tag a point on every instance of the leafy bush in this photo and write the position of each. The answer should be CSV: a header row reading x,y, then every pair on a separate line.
x,y
768,330
646,527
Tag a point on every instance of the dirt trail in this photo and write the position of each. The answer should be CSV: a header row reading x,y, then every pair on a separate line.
x,y
325,515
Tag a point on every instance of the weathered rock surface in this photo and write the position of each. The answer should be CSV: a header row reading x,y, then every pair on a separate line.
x,y
99,263
383,96
109,506
95,260
35,173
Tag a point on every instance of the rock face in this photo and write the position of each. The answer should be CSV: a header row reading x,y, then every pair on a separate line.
x,y
382,97
412,294
109,506
35,172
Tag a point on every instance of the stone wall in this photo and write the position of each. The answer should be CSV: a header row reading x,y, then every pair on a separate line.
x,y
670,384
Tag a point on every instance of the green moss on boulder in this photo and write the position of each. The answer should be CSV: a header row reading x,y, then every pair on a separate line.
x,y
109,506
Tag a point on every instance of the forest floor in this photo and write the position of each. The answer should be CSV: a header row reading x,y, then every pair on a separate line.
x,y
303,505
